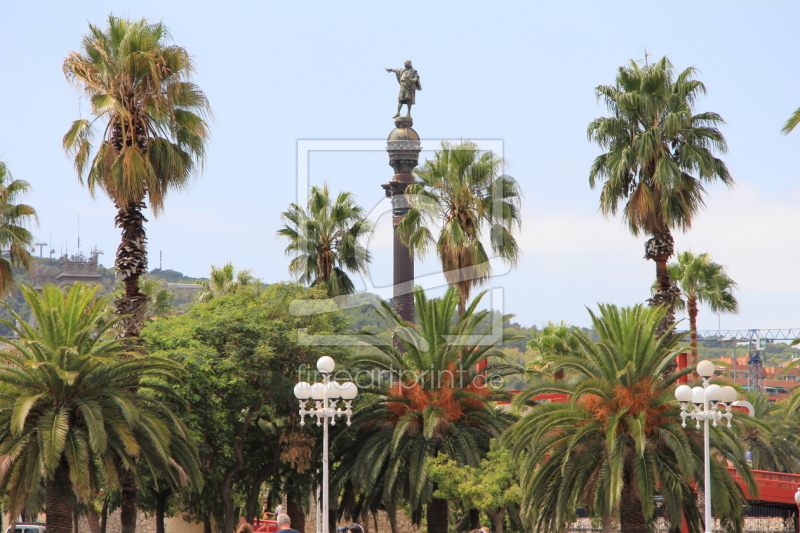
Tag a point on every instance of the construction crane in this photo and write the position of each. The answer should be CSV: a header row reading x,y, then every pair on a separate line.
x,y
757,340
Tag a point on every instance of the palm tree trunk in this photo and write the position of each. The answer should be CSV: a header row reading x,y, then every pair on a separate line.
x,y
631,517
608,523
129,501
58,496
295,512
659,249
161,509
392,513
438,515
131,263
691,305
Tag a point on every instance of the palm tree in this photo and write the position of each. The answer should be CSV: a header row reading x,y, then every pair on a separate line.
x,y
75,405
14,237
792,122
771,434
428,400
617,441
552,343
702,281
154,135
464,190
327,239
660,156
224,280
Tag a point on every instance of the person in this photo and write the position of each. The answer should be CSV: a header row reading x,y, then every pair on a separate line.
x,y
244,527
285,524
409,84
355,528
278,510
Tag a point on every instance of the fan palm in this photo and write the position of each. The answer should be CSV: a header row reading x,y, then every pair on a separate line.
x,y
702,281
14,237
659,156
73,409
617,441
327,239
154,137
464,190
224,280
428,400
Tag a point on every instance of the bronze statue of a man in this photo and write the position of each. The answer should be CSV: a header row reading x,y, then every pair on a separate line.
x,y
409,84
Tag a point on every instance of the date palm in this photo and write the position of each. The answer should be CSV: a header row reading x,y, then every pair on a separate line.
x,y
154,134
428,400
465,191
660,154
75,404
327,239
617,441
14,236
702,281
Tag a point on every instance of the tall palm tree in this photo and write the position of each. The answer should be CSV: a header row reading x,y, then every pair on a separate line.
x,y
154,134
465,191
327,239
430,399
660,154
14,237
74,405
702,281
617,441
224,280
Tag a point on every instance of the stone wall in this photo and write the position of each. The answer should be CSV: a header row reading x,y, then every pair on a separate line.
x,y
145,524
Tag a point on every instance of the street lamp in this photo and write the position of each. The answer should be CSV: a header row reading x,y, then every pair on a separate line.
x,y
326,396
695,402
797,501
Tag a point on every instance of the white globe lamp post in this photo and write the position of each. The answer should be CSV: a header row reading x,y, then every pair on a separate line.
x,y
326,397
704,403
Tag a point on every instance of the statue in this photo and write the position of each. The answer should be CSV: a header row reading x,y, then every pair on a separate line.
x,y
409,84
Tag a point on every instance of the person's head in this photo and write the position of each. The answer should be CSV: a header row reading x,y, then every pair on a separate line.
x,y
486,529
284,522
355,528
477,531
244,527
408,63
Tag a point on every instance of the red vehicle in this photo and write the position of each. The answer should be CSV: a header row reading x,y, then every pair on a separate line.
x,y
261,525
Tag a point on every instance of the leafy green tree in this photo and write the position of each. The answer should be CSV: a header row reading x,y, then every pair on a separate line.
x,y
492,488
14,237
702,281
154,134
660,154
243,355
326,238
426,400
465,191
75,403
617,442
224,280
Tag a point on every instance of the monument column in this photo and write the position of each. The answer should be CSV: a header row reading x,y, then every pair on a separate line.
x,y
404,147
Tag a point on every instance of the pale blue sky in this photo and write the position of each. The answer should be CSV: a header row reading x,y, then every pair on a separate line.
x,y
519,72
